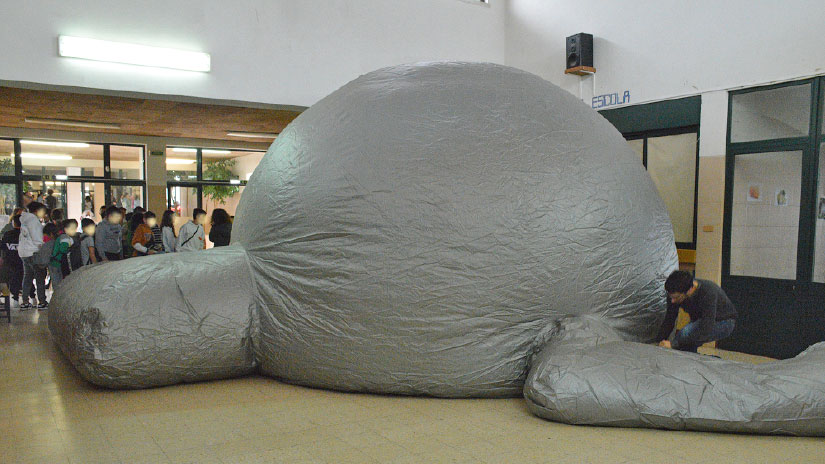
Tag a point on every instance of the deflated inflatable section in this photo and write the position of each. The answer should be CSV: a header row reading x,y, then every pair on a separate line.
x,y
158,320
627,384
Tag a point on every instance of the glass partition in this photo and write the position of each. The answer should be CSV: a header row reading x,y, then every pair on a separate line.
x,y
126,162
53,158
671,162
765,214
181,164
6,157
771,114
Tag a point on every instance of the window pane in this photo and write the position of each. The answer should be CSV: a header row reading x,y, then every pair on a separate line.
x,y
671,162
765,215
126,162
84,199
52,158
181,164
39,190
8,198
638,145
183,201
229,164
771,114
127,196
6,157
819,240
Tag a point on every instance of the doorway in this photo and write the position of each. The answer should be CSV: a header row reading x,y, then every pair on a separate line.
x,y
773,257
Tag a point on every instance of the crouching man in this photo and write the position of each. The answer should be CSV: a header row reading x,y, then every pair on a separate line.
x,y
712,315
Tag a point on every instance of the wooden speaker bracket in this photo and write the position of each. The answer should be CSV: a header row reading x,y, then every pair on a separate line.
x,y
581,70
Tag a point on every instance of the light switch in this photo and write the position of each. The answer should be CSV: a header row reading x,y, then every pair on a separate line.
x,y
707,228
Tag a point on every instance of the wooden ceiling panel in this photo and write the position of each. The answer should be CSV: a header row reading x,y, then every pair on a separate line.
x,y
138,116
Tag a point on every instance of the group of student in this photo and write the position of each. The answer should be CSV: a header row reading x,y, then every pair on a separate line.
x,y
39,243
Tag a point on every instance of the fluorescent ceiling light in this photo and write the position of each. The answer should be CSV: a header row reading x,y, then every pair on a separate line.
x,y
49,156
72,123
56,144
235,181
61,177
253,135
179,161
128,53
185,150
216,152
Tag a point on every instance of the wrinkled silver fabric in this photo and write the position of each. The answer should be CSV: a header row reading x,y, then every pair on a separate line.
x,y
158,320
419,229
629,384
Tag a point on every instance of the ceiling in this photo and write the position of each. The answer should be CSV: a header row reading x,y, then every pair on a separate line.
x,y
138,116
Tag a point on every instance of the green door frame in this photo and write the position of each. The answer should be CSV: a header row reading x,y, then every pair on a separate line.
x,y
777,315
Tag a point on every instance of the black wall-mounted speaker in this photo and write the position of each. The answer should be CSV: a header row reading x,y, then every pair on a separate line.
x,y
580,50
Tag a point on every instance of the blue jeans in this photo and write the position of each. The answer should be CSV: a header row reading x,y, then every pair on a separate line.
x,y
688,338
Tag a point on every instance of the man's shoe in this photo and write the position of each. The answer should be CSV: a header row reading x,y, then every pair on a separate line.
x,y
43,306
25,306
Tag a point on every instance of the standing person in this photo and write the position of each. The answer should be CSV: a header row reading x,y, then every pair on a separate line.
x,y
10,225
142,237
712,315
108,236
127,232
191,236
102,211
157,235
221,231
31,240
88,205
60,252
56,217
51,200
88,254
12,264
167,230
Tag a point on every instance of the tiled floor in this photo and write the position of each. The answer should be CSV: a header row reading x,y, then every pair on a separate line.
x,y
48,414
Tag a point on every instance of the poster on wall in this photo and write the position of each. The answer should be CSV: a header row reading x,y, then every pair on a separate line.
x,y
781,197
755,193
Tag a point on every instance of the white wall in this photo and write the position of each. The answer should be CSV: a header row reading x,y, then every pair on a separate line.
x,y
289,52
661,49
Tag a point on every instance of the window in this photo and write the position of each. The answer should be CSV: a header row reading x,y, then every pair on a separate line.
x,y
671,158
207,178
778,113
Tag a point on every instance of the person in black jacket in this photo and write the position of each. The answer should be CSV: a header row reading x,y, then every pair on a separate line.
x,y
712,315
221,231
12,264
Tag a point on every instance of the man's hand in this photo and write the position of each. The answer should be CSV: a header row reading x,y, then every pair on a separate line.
x,y
665,344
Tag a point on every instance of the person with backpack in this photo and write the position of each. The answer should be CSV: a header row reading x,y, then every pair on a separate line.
x,y
191,236
31,241
58,264
12,264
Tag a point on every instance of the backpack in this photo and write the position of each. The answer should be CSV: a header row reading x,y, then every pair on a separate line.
x,y
73,259
42,257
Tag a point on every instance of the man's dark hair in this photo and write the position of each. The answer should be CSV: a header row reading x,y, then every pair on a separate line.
x,y
197,212
220,216
15,220
86,222
148,215
140,209
66,222
36,206
679,282
50,229
111,210
56,215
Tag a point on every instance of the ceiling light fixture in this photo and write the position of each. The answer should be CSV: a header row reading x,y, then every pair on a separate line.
x,y
49,156
185,150
56,144
253,135
134,54
235,181
72,123
217,152
179,161
61,177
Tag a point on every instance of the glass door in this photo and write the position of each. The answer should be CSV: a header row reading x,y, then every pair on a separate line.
x,y
770,269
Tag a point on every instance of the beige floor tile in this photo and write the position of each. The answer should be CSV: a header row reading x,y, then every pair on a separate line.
x,y
50,415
